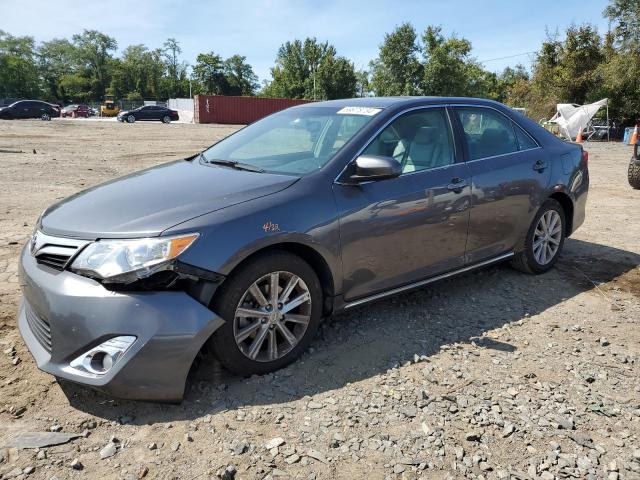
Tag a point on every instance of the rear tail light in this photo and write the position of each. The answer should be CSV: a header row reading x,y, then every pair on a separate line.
x,y
173,111
585,156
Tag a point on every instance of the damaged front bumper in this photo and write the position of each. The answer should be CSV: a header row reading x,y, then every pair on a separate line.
x,y
64,316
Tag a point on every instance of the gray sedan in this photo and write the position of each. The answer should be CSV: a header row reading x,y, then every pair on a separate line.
x,y
246,246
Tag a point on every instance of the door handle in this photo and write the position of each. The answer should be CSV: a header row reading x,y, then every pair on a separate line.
x,y
457,184
539,166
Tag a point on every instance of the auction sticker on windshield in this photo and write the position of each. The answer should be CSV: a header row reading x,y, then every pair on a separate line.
x,y
368,111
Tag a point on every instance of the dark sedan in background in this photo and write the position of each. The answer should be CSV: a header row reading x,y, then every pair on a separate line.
x,y
30,109
310,211
149,112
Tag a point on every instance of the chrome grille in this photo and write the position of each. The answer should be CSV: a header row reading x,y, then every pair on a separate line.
x,y
39,327
55,252
54,261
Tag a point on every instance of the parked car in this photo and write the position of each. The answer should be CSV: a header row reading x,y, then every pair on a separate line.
x,y
308,212
149,112
75,110
30,109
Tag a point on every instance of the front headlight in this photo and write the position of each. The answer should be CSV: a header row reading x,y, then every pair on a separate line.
x,y
107,259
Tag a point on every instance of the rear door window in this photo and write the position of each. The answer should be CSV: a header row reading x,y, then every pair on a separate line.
x,y
487,132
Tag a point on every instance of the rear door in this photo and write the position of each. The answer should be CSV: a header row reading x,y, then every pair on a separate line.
x,y
398,231
152,112
36,109
509,175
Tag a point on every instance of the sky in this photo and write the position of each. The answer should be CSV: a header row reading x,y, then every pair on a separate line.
x,y
499,30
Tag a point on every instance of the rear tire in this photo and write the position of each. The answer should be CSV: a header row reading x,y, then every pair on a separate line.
x,y
166,119
246,353
542,247
634,175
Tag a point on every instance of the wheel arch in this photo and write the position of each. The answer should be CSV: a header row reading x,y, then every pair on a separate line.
x,y
310,255
566,203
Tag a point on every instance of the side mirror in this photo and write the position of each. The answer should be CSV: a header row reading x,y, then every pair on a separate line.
x,y
370,167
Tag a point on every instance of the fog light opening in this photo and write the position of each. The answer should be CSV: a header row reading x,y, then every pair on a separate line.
x,y
101,359
101,362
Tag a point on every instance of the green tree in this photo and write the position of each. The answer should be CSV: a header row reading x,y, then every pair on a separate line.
x,y
240,76
93,56
336,78
209,74
18,67
176,83
56,59
581,55
311,70
138,72
624,15
566,70
620,71
397,70
290,73
515,86
448,67
363,84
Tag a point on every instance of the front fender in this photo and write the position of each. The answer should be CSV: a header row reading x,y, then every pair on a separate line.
x,y
292,216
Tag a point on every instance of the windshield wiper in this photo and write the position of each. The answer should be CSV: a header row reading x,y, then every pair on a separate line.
x,y
234,164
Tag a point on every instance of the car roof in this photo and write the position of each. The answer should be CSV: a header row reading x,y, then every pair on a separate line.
x,y
385,102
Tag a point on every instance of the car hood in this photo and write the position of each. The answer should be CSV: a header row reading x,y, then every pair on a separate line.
x,y
148,202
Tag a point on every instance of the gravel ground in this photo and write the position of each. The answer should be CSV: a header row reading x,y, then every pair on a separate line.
x,y
493,374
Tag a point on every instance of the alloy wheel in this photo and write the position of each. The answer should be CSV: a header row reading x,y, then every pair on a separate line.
x,y
547,237
272,316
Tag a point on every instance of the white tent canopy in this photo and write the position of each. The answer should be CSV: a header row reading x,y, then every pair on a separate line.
x,y
573,118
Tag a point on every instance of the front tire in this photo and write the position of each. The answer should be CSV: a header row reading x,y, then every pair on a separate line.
x,y
131,119
272,308
544,240
45,117
634,174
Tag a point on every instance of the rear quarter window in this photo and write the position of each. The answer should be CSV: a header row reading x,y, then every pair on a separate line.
x,y
525,142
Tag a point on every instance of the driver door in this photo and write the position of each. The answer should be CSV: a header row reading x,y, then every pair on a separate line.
x,y
145,113
398,231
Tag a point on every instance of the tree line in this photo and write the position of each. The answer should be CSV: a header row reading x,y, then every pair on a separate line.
x,y
84,68
578,65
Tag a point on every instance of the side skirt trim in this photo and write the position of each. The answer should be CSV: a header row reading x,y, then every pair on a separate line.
x,y
427,281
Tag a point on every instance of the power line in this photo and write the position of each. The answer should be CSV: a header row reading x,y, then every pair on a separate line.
x,y
510,56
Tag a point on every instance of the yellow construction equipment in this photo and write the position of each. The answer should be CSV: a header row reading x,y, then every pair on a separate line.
x,y
109,107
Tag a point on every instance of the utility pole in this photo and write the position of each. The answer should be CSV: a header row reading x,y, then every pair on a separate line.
x,y
314,82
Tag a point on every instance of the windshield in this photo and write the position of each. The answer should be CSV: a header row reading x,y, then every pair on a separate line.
x,y
298,141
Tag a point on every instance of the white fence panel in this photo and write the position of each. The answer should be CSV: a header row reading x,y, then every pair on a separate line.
x,y
184,107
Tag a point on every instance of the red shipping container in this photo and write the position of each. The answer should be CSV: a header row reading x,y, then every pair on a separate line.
x,y
238,110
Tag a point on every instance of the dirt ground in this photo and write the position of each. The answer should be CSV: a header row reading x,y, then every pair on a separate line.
x,y
494,374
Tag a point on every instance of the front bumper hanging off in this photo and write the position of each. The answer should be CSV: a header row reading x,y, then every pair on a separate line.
x,y
63,316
